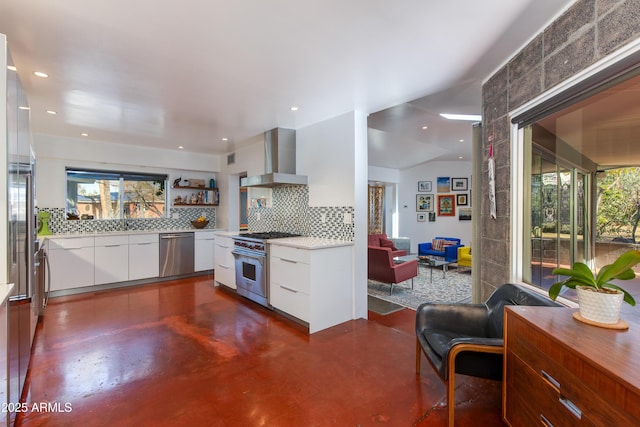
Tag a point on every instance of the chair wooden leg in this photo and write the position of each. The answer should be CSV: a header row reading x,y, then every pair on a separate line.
x,y
451,398
418,356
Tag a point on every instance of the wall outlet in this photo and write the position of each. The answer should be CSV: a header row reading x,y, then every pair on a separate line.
x,y
175,215
347,218
323,218
257,216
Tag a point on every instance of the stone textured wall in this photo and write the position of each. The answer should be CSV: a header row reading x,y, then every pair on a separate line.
x,y
584,34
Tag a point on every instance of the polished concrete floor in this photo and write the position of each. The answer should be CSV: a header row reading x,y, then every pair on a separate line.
x,y
186,353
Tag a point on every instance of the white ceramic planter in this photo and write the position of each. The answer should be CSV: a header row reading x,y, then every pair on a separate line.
x,y
599,307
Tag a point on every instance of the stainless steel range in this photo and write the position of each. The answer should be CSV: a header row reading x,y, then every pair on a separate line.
x,y
252,260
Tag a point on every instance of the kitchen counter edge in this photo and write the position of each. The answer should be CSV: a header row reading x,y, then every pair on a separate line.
x,y
310,242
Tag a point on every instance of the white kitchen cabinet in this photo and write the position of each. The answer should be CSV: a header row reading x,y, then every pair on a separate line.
x,y
204,250
225,265
111,259
71,260
313,285
144,256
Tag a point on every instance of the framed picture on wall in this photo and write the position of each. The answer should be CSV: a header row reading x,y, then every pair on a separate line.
x,y
432,217
424,186
447,205
422,217
464,214
459,184
444,184
424,202
462,200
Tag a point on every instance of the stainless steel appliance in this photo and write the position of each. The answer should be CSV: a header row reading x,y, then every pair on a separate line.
x,y
252,273
176,254
22,243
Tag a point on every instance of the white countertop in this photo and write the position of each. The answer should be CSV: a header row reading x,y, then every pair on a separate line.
x,y
5,292
310,242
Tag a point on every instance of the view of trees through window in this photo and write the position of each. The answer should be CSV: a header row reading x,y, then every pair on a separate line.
x,y
618,205
115,195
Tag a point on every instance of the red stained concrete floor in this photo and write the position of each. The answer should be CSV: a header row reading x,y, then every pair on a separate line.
x,y
186,353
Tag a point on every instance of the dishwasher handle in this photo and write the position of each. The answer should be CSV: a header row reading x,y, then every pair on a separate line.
x,y
175,236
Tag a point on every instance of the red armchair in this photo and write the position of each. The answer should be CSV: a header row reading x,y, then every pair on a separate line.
x,y
382,268
381,240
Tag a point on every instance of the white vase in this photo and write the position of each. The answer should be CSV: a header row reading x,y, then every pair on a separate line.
x,y
598,306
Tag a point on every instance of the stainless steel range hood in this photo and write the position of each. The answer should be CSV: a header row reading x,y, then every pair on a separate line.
x,y
279,161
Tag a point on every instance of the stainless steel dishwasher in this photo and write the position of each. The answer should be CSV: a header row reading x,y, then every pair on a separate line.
x,y
176,254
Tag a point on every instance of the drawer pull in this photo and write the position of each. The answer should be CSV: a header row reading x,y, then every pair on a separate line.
x,y
571,407
289,260
545,421
286,288
112,246
550,380
223,266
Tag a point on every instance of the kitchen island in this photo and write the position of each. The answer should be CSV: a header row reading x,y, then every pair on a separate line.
x,y
311,279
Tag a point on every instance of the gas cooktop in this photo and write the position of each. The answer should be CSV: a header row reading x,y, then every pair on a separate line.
x,y
266,235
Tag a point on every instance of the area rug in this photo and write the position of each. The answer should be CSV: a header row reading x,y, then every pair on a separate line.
x,y
455,287
381,306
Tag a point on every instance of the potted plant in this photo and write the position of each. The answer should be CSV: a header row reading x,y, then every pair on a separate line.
x,y
599,299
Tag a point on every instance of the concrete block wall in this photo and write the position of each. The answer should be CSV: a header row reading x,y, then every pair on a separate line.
x,y
588,31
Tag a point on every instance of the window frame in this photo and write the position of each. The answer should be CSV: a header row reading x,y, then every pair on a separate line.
x,y
121,176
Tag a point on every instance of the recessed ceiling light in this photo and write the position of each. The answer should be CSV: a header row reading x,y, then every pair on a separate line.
x,y
425,127
460,157
469,117
294,108
84,134
462,140
52,112
11,68
41,74
180,147
225,139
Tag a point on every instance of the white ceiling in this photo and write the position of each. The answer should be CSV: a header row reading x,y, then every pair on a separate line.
x,y
164,74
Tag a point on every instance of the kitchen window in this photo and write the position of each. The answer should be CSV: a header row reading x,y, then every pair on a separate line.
x,y
98,194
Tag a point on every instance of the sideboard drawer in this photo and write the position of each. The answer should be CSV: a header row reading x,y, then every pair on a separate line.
x,y
548,381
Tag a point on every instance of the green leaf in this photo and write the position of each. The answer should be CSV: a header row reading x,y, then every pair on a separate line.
x,y
628,298
620,266
579,272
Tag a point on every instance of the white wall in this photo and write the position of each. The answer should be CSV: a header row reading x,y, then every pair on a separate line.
x,y
53,154
325,153
421,232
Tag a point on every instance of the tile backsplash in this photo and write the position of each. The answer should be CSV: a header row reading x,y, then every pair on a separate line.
x,y
59,224
291,213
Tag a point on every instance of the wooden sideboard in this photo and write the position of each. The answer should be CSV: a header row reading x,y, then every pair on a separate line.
x,y
561,372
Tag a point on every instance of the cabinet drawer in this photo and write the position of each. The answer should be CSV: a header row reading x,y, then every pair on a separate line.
x,y
289,253
71,243
529,392
143,238
292,274
290,301
205,235
588,386
111,240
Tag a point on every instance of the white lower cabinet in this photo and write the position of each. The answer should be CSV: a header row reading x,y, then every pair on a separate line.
x,y
144,256
111,259
71,260
204,250
313,285
225,264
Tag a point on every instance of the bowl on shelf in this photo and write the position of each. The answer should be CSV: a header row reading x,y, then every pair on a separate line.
x,y
199,224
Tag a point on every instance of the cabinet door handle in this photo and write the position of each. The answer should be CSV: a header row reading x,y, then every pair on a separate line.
x,y
545,421
552,381
571,407
289,260
224,266
143,244
112,246
286,288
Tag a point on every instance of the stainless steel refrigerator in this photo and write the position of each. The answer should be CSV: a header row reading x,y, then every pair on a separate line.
x,y
22,242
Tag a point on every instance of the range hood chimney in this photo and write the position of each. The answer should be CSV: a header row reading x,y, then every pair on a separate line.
x,y
279,161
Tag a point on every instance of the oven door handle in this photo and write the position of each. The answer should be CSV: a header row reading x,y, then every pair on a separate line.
x,y
260,259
